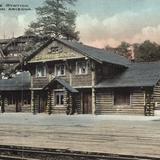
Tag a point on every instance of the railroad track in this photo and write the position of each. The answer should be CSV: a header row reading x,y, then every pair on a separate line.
x,y
30,153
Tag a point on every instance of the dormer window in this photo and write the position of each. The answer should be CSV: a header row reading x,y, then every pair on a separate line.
x,y
40,71
81,67
60,69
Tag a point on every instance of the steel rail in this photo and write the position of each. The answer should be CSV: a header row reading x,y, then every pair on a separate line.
x,y
30,152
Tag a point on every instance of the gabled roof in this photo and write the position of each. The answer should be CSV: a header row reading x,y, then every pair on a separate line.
x,y
37,48
19,82
136,75
63,83
97,54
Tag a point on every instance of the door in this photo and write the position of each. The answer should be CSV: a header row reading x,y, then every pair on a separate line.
x,y
40,102
87,103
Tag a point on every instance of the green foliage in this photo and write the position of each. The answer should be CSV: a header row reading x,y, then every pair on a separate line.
x,y
123,48
146,51
55,19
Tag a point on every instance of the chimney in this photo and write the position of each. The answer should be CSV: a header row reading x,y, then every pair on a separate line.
x,y
131,54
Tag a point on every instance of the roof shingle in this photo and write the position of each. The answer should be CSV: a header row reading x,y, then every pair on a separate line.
x,y
96,53
136,75
20,82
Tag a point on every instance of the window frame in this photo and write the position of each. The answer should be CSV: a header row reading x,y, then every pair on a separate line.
x,y
56,71
45,71
77,70
127,96
11,100
59,94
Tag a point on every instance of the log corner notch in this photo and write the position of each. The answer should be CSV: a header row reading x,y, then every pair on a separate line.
x,y
93,87
149,106
49,102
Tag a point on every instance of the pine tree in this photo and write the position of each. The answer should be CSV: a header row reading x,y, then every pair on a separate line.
x,y
55,19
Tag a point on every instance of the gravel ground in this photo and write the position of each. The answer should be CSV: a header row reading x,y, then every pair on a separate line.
x,y
132,135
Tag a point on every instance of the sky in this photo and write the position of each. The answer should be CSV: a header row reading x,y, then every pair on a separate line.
x,y
100,22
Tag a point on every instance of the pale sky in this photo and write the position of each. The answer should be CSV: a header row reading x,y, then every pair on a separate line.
x,y
100,22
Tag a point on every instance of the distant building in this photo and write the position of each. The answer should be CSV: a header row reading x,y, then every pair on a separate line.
x,y
14,89
15,93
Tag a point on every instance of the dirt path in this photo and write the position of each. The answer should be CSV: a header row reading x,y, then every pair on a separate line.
x,y
85,134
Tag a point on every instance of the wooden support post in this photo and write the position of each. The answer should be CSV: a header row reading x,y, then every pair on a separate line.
x,y
32,101
93,88
81,102
93,101
33,109
70,78
66,102
70,74
1,103
71,103
52,100
49,103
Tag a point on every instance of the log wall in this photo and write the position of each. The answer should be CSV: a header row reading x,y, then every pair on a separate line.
x,y
70,75
106,71
40,101
21,98
40,82
105,103
138,101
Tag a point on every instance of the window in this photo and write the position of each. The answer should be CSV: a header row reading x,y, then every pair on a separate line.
x,y
41,71
121,98
60,70
81,68
59,98
11,100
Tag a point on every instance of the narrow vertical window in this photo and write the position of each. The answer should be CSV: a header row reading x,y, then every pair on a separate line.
x,y
60,69
81,67
59,98
41,71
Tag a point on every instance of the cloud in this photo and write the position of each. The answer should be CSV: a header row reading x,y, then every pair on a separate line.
x,y
126,26
14,24
148,33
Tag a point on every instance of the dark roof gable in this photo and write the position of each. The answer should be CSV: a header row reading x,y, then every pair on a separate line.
x,y
136,75
97,54
63,83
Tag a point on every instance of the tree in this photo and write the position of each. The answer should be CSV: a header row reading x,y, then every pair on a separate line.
x,y
144,52
148,51
123,48
55,19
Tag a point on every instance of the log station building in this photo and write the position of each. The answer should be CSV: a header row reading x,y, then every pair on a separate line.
x,y
70,77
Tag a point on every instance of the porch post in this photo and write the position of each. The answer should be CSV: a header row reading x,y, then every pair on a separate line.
x,y
1,103
33,109
66,102
49,103
71,103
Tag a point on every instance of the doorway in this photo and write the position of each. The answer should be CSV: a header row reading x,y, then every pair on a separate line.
x,y
87,103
